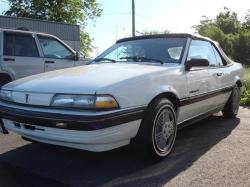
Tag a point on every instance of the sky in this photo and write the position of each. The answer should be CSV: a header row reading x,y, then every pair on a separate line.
x,y
174,15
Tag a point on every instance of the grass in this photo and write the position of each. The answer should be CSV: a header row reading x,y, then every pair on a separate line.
x,y
245,98
247,73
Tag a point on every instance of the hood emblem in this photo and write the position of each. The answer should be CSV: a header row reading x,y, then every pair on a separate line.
x,y
27,98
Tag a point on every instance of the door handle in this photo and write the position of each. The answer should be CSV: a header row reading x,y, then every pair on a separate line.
x,y
219,74
8,59
49,62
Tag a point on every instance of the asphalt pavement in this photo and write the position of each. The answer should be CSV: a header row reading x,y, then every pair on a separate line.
x,y
212,152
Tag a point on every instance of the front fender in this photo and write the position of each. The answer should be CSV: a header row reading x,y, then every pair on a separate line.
x,y
140,91
160,90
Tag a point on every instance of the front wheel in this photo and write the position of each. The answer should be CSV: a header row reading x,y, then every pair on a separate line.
x,y
157,133
232,106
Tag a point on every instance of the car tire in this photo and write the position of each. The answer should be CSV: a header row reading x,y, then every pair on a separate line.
x,y
4,79
232,106
157,132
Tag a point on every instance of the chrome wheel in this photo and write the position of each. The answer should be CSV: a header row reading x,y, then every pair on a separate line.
x,y
164,131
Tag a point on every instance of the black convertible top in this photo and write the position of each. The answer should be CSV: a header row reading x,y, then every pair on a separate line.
x,y
172,35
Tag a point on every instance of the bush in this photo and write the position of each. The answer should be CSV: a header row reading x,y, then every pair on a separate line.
x,y
245,98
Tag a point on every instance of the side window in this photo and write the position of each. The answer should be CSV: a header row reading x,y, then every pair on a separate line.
x,y
54,49
218,57
0,40
8,49
202,49
20,45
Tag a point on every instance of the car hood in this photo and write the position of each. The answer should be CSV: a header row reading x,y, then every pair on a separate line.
x,y
83,79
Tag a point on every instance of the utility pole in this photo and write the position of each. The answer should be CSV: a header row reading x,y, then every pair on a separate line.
x,y
133,18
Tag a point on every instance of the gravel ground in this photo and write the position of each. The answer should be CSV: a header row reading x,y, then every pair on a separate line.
x,y
213,152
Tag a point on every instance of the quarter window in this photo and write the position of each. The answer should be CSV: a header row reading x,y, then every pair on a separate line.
x,y
20,45
202,49
175,52
54,49
218,57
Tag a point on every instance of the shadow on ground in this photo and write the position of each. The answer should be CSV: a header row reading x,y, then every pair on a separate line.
x,y
46,165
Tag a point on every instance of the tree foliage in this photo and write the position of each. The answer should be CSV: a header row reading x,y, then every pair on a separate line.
x,y
245,98
228,22
246,24
233,35
67,11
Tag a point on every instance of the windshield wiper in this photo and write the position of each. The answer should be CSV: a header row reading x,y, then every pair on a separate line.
x,y
104,59
141,58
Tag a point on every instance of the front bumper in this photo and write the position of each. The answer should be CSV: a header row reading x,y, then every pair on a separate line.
x,y
72,121
97,140
95,131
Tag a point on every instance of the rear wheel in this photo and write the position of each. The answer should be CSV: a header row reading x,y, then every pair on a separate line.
x,y
232,107
157,133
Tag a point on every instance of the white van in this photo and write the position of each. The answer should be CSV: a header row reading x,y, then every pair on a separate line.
x,y
24,53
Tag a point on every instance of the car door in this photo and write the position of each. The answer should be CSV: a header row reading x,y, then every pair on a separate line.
x,y
56,54
224,77
202,81
20,55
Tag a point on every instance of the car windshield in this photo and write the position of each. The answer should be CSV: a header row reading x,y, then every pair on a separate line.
x,y
155,50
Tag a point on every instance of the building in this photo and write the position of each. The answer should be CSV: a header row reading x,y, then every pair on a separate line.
x,y
70,34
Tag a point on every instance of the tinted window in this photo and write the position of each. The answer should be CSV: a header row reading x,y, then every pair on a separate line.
x,y
54,49
202,49
20,45
167,50
0,40
8,45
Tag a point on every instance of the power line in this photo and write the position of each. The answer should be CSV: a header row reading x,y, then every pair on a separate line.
x,y
146,19
115,13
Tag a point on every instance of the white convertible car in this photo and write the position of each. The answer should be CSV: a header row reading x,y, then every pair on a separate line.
x,y
137,92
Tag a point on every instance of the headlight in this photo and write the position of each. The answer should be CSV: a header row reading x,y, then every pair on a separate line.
x,y
84,101
6,95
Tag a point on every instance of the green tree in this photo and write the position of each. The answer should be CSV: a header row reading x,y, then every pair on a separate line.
x,y
212,31
246,24
67,11
85,43
242,47
233,36
228,21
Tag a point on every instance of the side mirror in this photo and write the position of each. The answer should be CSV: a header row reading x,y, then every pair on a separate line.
x,y
196,62
77,56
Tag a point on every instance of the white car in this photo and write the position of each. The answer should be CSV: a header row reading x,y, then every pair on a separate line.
x,y
137,92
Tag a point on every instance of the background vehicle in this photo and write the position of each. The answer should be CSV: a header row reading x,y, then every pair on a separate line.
x,y
24,53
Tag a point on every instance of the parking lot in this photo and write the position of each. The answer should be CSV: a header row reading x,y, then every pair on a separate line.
x,y
213,152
